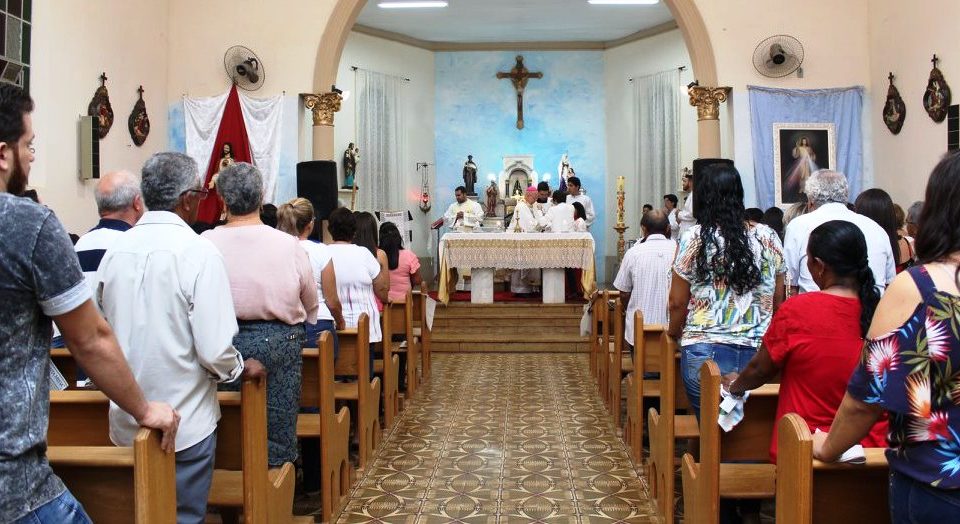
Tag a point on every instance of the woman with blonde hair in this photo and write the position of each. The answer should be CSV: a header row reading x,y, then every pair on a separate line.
x,y
297,218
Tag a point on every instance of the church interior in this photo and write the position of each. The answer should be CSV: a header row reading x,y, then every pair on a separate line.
x,y
509,406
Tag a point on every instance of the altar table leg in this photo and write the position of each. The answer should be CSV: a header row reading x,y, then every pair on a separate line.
x,y
481,285
554,286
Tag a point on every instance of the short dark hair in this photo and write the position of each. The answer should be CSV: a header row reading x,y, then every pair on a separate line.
x,y
460,189
656,222
559,196
14,104
574,181
543,186
647,207
672,198
342,225
754,214
268,215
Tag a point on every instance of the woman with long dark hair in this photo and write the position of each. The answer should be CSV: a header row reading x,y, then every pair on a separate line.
x,y
877,205
728,279
403,263
366,236
815,339
909,366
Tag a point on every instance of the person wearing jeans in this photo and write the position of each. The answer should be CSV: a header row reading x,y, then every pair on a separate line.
x,y
727,280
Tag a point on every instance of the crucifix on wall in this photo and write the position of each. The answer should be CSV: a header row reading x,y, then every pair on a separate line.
x,y
519,76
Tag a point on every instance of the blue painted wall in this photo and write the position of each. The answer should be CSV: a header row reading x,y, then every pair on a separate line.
x,y
563,113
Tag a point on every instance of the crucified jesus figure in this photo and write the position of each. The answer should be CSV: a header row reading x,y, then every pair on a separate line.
x,y
519,76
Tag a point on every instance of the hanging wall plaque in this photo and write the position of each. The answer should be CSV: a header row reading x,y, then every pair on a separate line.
x,y
100,107
139,122
894,110
936,99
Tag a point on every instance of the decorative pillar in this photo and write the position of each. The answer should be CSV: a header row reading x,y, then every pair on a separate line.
x,y
323,106
707,100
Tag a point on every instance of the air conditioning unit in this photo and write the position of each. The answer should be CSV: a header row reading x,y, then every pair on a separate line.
x,y
89,149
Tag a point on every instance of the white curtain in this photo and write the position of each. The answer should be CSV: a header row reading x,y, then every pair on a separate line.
x,y
380,137
657,116
263,118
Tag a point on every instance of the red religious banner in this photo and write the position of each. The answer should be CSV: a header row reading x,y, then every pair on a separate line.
x,y
232,145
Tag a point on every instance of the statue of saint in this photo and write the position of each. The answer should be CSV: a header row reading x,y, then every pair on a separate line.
x,y
226,160
493,194
470,175
350,158
564,171
517,190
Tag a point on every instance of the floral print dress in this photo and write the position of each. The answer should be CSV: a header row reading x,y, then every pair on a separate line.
x,y
913,372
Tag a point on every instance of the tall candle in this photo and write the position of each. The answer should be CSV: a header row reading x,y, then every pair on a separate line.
x,y
619,183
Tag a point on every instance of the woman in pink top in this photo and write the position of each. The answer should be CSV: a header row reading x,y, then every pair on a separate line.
x,y
403,264
274,293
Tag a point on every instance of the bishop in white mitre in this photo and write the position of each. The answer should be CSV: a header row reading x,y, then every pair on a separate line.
x,y
527,218
464,211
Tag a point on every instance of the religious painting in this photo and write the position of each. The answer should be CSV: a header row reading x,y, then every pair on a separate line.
x,y
798,151
894,109
139,123
100,107
936,98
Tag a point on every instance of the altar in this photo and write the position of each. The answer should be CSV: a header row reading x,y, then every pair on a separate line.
x,y
485,252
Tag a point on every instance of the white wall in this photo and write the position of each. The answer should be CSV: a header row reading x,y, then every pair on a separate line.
x,y
902,41
73,42
662,52
417,64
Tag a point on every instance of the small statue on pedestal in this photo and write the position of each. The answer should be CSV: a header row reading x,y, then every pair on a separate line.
x,y
493,194
350,158
470,176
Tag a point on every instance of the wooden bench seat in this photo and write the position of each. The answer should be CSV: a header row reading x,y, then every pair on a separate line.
x,y
353,360
613,361
810,491
716,476
646,350
421,330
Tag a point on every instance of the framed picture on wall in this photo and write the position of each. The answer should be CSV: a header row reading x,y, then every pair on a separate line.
x,y
799,150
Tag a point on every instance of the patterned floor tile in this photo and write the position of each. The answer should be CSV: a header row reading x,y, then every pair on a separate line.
x,y
503,438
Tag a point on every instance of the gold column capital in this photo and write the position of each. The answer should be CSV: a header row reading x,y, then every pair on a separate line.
x,y
323,106
707,100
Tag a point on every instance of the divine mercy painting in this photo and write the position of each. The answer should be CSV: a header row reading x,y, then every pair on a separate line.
x,y
798,151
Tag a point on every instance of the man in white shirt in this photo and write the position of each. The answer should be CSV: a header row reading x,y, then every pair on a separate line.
x,y
684,217
645,273
573,186
827,200
165,292
669,208
528,218
464,211
559,217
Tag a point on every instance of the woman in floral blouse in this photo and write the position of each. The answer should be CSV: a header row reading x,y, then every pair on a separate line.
x,y
910,368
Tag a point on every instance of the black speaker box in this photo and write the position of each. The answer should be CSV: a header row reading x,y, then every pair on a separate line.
x,y
701,163
317,182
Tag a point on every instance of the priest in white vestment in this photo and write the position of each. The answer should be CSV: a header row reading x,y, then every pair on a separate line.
x,y
527,218
464,211
573,185
560,216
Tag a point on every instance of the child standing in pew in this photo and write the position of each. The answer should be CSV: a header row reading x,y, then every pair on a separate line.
x,y
815,339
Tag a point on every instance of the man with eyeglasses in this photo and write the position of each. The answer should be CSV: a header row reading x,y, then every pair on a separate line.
x,y
165,291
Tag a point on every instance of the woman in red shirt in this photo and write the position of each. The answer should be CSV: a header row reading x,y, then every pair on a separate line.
x,y
815,339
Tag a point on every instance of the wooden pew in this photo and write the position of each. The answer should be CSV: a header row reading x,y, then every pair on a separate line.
x,y
596,322
810,491
665,427
353,360
388,368
401,323
330,427
614,361
421,329
647,340
115,484
716,476
603,346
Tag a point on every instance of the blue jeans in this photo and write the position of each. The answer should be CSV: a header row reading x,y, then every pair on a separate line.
x,y
729,357
913,502
62,510
313,335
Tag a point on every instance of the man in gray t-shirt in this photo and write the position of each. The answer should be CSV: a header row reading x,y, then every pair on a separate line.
x,y
40,279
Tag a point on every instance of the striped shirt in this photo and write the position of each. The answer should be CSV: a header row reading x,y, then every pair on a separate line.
x,y
94,244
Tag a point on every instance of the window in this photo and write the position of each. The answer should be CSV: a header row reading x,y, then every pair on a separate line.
x,y
15,29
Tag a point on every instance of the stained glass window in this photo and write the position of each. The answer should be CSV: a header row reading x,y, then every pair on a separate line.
x,y
15,29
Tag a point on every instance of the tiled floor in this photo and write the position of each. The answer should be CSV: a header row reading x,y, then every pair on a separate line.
x,y
503,438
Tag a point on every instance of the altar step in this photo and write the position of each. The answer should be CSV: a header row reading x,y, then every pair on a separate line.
x,y
511,327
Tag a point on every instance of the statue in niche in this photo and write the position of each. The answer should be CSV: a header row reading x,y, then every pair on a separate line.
x,y
470,176
493,194
350,158
517,190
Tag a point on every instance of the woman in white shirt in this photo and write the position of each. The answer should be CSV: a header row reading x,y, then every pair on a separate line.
x,y
580,218
296,218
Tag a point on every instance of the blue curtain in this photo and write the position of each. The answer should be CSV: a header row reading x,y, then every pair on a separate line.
x,y
841,106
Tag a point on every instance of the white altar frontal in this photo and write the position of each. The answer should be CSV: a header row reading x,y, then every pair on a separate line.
x,y
485,252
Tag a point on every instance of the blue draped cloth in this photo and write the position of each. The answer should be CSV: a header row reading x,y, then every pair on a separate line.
x,y
840,106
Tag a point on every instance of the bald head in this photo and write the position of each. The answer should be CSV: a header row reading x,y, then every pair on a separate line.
x,y
655,222
118,197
